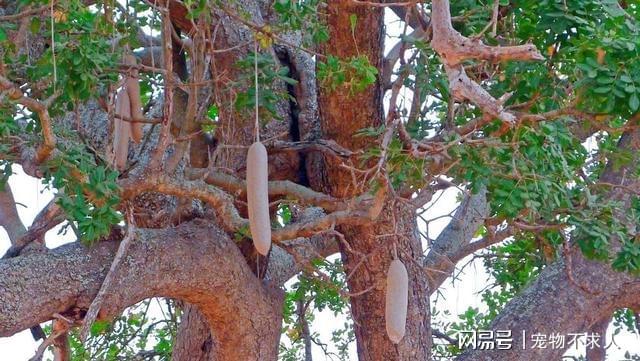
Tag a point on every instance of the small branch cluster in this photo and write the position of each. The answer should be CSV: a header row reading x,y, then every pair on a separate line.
x,y
207,188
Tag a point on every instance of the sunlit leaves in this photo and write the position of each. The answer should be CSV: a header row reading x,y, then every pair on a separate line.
x,y
532,172
81,57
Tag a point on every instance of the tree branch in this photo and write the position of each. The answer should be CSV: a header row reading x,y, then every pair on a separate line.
x,y
287,188
364,210
14,93
50,216
240,311
9,218
454,48
446,250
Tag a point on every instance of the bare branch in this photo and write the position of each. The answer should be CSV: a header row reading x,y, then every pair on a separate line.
x,y
454,48
163,140
216,279
50,216
447,249
92,313
9,218
365,210
29,11
290,189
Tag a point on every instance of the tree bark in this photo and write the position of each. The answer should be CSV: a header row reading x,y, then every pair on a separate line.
x,y
367,259
599,353
195,262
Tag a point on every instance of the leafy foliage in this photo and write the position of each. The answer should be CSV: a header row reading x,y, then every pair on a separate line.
x,y
302,15
354,74
136,333
88,193
313,294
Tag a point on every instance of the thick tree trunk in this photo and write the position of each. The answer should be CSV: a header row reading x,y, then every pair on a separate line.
x,y
235,128
395,228
195,262
599,352
194,341
370,253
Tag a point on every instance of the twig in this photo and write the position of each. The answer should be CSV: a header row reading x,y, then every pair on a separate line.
x,y
92,313
28,12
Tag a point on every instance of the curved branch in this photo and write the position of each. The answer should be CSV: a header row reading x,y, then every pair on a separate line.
x,y
240,311
14,93
362,210
276,188
50,216
217,198
454,48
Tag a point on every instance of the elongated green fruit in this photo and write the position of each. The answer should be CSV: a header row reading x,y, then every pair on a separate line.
x,y
397,299
258,197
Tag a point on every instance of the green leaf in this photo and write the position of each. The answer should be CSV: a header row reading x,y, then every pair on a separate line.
x,y
213,112
34,26
634,102
353,20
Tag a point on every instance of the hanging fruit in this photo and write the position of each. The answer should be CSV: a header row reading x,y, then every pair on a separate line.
x,y
132,85
258,197
397,299
121,130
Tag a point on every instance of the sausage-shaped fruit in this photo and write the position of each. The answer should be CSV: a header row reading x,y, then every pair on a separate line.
x,y
397,299
258,197
133,90
121,130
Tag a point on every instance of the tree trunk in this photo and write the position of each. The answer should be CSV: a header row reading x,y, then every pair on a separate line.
x,y
395,228
194,341
369,254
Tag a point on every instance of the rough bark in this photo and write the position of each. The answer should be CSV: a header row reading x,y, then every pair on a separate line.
x,y
369,256
236,128
599,353
195,262
444,253
9,218
194,341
